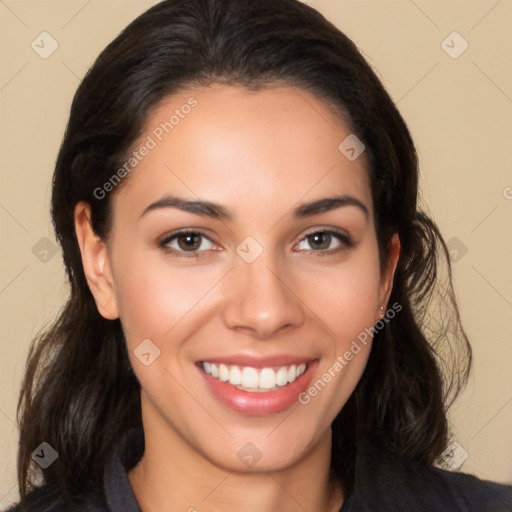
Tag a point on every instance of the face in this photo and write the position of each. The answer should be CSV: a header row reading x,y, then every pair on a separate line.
x,y
243,250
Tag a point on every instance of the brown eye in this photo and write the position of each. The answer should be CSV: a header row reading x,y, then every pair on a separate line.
x,y
325,241
187,242
320,240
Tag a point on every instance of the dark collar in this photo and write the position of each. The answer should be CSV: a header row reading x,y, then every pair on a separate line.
x,y
382,483
118,491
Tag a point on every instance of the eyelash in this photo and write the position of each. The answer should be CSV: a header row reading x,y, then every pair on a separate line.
x,y
163,244
346,242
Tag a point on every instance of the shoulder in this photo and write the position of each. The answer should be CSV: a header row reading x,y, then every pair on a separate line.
x,y
386,483
116,493
46,499
458,491
476,494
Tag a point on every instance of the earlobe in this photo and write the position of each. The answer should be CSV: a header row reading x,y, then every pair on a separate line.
x,y
389,273
95,263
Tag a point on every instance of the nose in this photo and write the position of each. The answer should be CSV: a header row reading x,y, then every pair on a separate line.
x,y
260,301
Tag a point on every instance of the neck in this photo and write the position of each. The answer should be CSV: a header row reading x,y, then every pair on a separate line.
x,y
172,476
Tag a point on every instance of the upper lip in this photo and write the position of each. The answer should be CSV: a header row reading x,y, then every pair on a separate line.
x,y
258,362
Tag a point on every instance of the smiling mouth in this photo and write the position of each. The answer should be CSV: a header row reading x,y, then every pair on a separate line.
x,y
254,380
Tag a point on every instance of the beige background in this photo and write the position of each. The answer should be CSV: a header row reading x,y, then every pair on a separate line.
x,y
459,111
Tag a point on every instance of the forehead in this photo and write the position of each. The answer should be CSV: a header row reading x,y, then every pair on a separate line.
x,y
244,149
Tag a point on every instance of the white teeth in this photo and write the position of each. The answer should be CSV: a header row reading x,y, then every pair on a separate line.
x,y
252,379
235,376
223,373
292,373
267,379
282,376
249,378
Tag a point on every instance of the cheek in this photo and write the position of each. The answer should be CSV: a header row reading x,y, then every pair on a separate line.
x,y
154,296
351,307
346,300
346,297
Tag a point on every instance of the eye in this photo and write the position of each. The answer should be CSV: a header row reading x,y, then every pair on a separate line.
x,y
325,241
187,242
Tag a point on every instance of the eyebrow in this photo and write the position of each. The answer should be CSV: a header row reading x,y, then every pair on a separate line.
x,y
330,203
216,211
205,208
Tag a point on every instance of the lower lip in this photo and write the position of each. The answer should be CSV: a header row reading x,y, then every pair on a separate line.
x,y
259,403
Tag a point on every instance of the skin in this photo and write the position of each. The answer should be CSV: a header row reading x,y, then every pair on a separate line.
x,y
259,155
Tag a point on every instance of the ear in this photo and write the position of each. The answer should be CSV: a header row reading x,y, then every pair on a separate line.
x,y
96,263
388,273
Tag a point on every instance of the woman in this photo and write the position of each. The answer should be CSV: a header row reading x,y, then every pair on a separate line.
x,y
236,199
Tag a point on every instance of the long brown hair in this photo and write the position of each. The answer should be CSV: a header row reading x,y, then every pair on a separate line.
x,y
79,393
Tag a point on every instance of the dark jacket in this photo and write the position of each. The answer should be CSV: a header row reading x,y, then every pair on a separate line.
x,y
382,484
